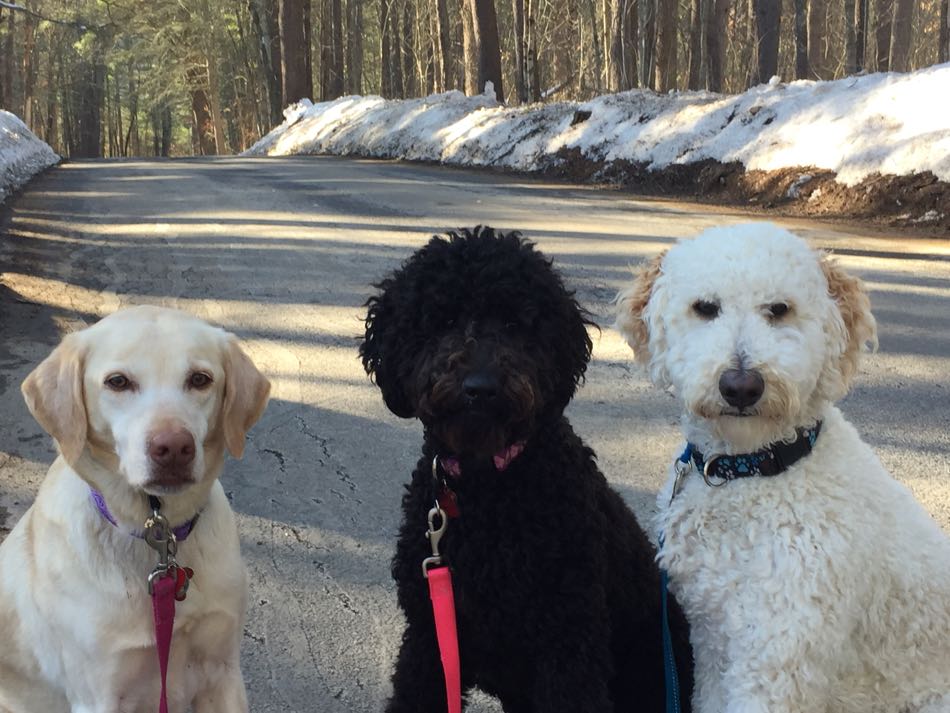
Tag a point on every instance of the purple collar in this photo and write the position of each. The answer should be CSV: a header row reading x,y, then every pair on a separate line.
x,y
181,532
502,460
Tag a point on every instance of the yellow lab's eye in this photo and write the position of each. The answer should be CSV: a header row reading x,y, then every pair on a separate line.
x,y
199,380
118,382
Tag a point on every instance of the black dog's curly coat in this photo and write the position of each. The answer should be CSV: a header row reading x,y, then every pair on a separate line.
x,y
557,592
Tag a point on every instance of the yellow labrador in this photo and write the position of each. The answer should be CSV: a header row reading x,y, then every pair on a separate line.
x,y
143,403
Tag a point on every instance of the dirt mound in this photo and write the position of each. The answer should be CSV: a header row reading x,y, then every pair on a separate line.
x,y
920,200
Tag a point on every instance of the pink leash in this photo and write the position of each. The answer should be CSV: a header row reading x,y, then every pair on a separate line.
x,y
443,601
443,609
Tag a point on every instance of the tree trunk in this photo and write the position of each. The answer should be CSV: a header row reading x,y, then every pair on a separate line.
x,y
469,47
27,72
521,78
408,54
385,50
694,78
396,46
715,41
354,47
666,21
943,46
850,39
8,61
485,34
768,16
901,35
446,46
265,26
860,34
293,52
885,15
801,40
217,119
615,65
534,68
307,7
647,42
89,114
336,87
816,38
631,34
201,114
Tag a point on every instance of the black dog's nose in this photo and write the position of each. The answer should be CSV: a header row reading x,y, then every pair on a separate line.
x,y
741,387
480,385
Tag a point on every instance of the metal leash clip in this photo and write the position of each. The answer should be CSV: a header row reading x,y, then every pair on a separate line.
x,y
159,536
434,535
682,470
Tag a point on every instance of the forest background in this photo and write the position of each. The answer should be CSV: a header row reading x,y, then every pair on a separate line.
x,y
113,78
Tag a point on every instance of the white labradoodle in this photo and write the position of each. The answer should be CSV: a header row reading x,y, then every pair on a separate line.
x,y
817,584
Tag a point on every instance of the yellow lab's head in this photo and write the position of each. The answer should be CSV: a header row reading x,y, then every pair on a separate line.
x,y
151,394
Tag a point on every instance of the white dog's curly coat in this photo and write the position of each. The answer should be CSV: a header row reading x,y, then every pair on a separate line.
x,y
826,588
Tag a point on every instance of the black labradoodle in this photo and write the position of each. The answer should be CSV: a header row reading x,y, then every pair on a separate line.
x,y
556,589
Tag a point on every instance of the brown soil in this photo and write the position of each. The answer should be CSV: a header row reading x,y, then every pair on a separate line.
x,y
920,201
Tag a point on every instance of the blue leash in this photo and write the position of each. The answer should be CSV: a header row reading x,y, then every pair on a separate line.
x,y
669,659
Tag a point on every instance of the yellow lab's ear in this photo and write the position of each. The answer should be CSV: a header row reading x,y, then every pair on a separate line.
x,y
851,296
54,395
631,304
245,396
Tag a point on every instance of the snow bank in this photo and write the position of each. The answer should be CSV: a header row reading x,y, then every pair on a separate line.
x,y
888,123
22,155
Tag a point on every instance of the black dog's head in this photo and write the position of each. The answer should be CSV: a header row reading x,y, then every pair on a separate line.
x,y
476,336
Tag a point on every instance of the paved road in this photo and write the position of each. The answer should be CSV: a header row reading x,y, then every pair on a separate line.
x,y
282,252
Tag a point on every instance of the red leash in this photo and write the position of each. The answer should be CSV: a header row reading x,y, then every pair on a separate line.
x,y
443,606
163,610
167,583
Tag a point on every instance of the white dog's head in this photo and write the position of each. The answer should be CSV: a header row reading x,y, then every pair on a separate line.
x,y
151,394
753,329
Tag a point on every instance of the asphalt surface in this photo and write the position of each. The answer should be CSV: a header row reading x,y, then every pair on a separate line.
x,y
283,252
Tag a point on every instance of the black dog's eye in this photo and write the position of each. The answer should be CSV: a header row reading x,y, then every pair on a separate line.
x,y
778,310
706,309
199,380
118,382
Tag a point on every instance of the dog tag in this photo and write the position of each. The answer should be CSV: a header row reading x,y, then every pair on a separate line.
x,y
449,503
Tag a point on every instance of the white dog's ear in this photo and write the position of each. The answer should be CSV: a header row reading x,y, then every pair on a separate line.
x,y
634,319
54,394
854,306
245,395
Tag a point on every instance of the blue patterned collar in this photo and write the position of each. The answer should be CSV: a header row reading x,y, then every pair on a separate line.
x,y
772,460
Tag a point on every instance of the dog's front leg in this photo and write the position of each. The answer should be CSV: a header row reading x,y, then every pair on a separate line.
x,y
574,661
418,683
224,692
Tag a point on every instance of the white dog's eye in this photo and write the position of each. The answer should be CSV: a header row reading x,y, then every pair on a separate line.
x,y
706,309
199,380
118,382
777,310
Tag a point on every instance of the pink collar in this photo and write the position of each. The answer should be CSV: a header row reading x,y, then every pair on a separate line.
x,y
502,459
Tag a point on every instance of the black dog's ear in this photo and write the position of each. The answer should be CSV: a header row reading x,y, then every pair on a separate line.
x,y
576,346
377,351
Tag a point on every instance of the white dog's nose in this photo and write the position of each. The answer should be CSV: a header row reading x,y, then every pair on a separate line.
x,y
741,388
